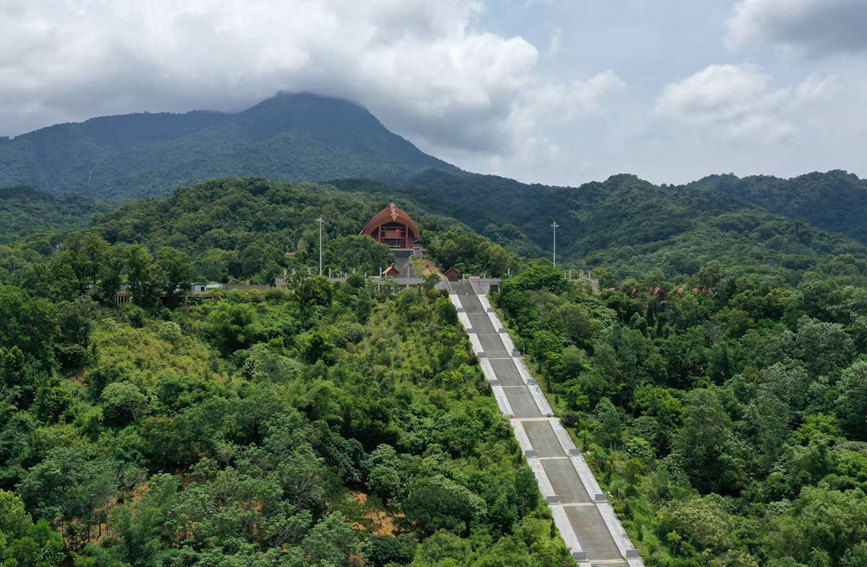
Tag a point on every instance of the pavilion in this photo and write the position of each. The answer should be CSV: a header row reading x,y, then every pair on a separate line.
x,y
393,227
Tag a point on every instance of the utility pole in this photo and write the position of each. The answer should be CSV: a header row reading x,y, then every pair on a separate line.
x,y
554,225
320,220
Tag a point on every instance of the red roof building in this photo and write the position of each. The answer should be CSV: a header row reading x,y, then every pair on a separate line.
x,y
452,274
393,227
391,272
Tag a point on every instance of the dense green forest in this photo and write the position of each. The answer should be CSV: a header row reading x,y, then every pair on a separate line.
x,y
238,230
833,201
727,416
771,226
328,425
289,137
27,211
242,230
630,226
717,383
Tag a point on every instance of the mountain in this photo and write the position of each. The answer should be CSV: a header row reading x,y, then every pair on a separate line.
x,y
289,137
632,225
777,226
834,201
242,228
25,211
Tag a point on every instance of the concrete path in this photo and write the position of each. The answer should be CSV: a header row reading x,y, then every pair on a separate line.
x,y
580,509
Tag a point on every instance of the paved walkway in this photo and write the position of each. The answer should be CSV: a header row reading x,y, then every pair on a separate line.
x,y
580,509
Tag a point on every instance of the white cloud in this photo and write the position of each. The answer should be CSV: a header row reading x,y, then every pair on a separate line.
x,y
742,100
548,103
719,92
819,26
423,67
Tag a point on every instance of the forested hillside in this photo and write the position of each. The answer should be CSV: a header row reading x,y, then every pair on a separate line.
x,y
326,426
26,211
765,224
725,415
833,201
290,137
721,403
631,226
230,230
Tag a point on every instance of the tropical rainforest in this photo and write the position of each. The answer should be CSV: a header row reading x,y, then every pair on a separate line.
x,y
26,211
726,416
329,424
713,367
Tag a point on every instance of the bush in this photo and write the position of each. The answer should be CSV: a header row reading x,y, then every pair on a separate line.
x,y
439,503
170,331
382,550
123,403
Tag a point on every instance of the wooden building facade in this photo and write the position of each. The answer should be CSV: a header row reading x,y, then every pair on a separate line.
x,y
393,227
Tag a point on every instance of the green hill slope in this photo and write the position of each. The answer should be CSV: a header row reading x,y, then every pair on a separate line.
x,y
247,229
632,225
290,137
26,211
835,201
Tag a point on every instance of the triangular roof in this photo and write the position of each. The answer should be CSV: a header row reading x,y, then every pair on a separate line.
x,y
392,269
392,213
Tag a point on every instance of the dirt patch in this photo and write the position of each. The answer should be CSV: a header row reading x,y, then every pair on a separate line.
x,y
376,522
425,267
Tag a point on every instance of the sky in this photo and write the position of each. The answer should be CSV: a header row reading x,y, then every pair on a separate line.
x,y
550,91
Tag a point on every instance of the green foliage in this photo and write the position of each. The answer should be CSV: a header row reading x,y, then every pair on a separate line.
x,y
122,403
250,428
23,543
361,254
727,424
470,253
379,551
28,325
73,484
438,503
289,137
26,211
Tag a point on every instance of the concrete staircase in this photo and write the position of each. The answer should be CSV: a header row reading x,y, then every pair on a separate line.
x,y
581,510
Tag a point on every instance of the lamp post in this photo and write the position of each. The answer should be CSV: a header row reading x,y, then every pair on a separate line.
x,y
554,225
320,220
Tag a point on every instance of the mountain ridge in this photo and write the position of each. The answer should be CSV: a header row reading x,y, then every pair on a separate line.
x,y
288,137
303,137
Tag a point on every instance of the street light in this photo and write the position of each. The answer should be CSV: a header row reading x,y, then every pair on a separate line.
x,y
320,220
554,225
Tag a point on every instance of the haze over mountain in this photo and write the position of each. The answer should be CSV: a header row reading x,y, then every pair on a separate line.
x,y
289,137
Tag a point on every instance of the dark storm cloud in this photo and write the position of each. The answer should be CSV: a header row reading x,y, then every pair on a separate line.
x,y
820,26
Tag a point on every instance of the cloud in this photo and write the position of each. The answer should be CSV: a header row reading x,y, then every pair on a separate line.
x,y
555,41
818,26
425,68
546,104
742,100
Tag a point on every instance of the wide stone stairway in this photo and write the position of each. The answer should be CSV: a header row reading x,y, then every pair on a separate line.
x,y
581,510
